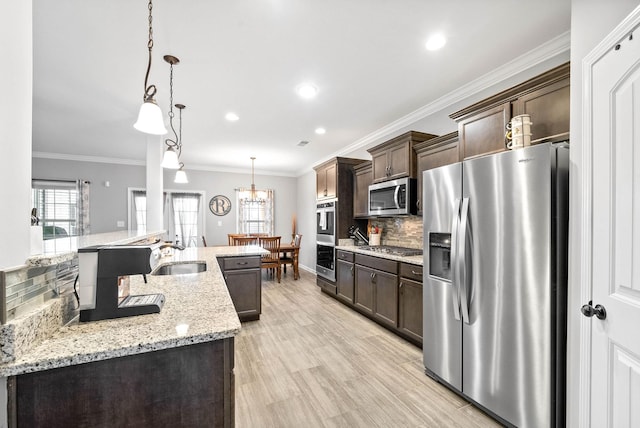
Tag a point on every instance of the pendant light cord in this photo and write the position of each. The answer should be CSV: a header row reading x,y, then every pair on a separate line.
x,y
149,90
176,143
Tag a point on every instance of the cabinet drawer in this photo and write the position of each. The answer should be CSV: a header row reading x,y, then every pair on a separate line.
x,y
379,263
347,256
231,263
410,271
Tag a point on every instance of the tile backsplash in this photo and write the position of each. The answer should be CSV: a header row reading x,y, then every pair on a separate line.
x,y
400,231
36,301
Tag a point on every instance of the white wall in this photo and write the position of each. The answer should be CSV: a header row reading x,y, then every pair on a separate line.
x,y
306,209
591,21
15,115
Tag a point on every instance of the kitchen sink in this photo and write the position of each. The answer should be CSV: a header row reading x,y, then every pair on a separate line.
x,y
180,268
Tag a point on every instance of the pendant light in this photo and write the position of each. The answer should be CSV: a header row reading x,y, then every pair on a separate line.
x,y
181,176
150,119
170,159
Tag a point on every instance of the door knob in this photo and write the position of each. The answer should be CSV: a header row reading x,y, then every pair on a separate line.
x,y
599,311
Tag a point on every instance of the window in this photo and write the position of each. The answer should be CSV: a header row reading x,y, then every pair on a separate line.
x,y
183,215
255,214
62,207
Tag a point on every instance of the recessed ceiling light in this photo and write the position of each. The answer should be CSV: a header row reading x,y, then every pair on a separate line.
x,y
231,116
321,131
307,90
435,42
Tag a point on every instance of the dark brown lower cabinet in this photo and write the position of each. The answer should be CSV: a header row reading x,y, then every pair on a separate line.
x,y
386,306
345,280
410,305
364,297
377,288
244,281
410,302
178,387
387,291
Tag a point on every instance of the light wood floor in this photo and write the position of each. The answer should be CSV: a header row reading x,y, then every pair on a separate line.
x,y
312,362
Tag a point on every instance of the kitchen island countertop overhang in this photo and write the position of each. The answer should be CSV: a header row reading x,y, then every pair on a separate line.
x,y
197,309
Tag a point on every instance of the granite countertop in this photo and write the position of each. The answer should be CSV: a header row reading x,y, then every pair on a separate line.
x,y
414,260
63,249
197,309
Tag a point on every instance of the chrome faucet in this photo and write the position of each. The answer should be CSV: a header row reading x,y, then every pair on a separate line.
x,y
171,245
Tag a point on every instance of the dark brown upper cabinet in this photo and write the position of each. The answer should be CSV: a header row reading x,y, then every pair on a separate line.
x,y
396,158
433,153
482,126
362,178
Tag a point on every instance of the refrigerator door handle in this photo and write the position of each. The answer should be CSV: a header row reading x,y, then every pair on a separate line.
x,y
455,282
462,244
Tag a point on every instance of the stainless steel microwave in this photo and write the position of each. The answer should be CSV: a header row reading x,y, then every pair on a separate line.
x,y
394,197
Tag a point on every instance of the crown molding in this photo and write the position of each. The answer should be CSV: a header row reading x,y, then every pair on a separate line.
x,y
552,48
85,158
190,167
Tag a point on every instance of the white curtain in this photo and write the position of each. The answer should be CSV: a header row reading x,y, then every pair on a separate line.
x,y
84,224
185,209
255,213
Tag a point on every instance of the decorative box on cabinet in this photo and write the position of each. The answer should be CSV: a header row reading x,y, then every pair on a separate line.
x,y
362,178
434,153
482,126
396,158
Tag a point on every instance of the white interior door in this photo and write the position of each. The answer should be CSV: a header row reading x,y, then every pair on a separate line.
x,y
614,136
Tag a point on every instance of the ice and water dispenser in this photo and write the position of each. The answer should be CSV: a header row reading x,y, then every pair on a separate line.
x,y
440,255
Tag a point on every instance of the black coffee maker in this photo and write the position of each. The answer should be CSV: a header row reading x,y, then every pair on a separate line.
x,y
104,282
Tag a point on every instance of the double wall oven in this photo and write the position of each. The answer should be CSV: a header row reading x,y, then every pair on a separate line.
x,y
326,239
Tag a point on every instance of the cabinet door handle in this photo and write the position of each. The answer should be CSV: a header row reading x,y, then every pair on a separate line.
x,y
351,270
415,273
242,263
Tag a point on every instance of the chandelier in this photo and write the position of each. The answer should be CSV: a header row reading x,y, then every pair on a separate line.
x,y
253,197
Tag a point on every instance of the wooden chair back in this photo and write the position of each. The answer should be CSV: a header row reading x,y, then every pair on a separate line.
x,y
271,260
230,236
245,240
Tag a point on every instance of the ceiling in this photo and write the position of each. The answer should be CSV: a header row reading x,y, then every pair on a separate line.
x,y
367,58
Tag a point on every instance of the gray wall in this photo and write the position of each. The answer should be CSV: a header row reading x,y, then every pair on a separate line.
x,y
591,22
109,204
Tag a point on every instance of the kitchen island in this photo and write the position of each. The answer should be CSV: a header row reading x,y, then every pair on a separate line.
x,y
174,368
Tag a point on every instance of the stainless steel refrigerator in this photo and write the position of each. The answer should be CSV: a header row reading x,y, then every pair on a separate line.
x,y
495,281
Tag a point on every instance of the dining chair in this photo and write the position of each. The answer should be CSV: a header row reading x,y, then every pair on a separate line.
x,y
272,260
291,258
230,236
245,240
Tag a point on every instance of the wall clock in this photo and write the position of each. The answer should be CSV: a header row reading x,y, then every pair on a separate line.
x,y
220,205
